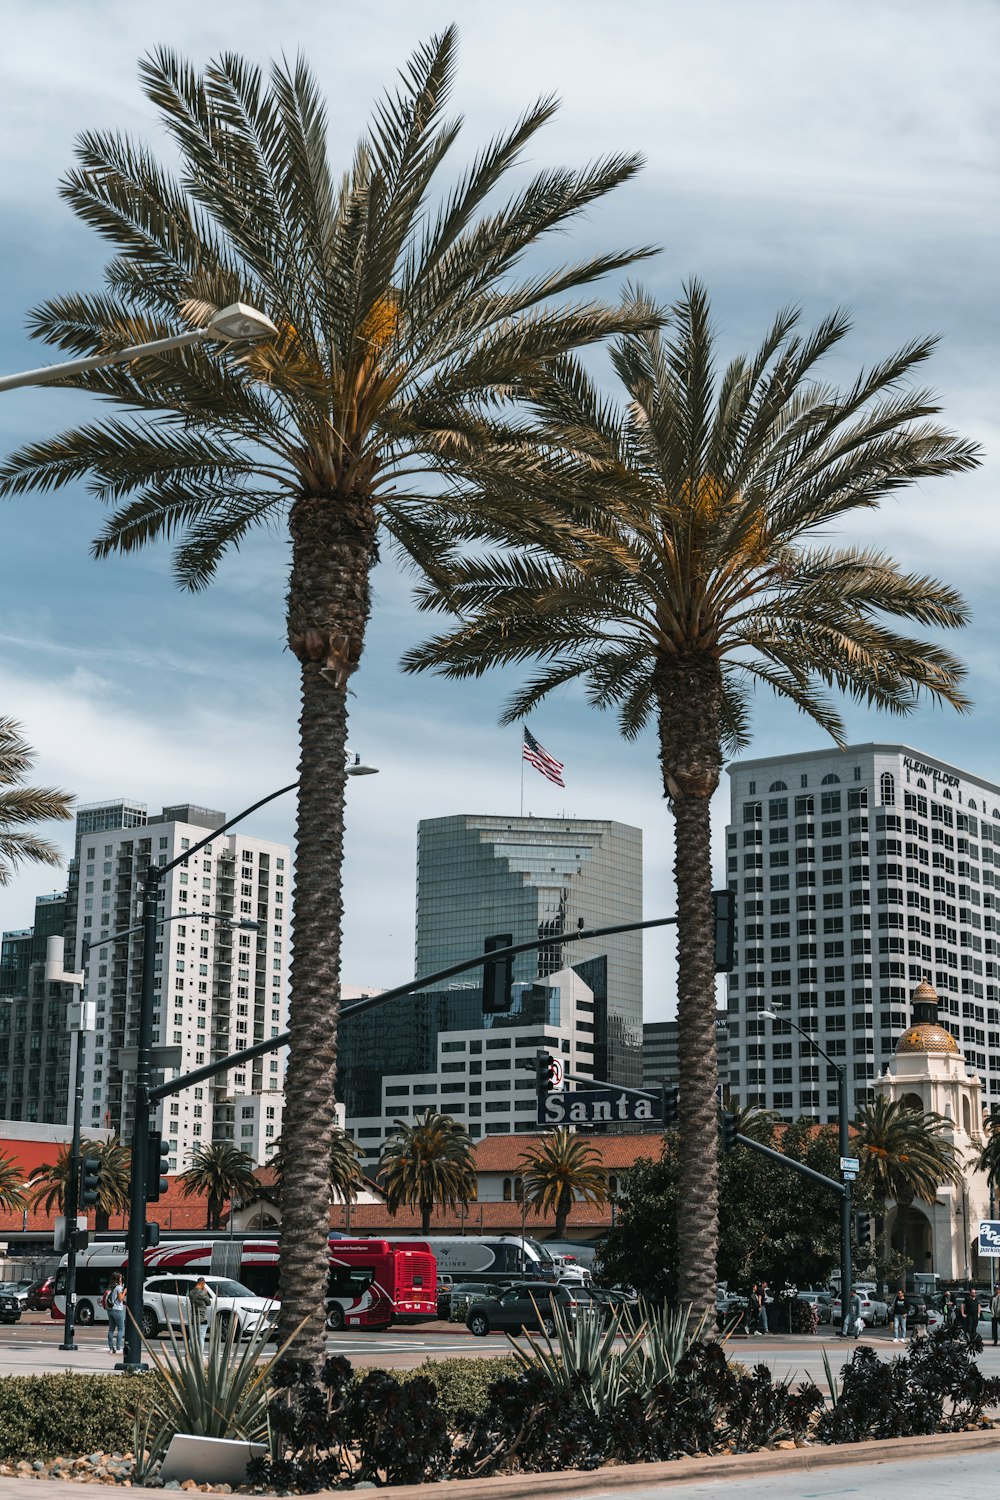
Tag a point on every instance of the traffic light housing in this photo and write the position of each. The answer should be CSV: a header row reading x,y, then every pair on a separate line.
x,y
545,1072
671,1107
497,976
90,1181
729,1130
862,1228
157,1163
151,1234
724,910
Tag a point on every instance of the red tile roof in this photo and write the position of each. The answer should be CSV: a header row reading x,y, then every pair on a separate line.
x,y
502,1153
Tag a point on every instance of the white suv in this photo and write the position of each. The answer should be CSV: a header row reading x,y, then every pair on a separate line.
x,y
165,1303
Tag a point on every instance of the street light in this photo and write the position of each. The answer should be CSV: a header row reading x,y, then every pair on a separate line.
x,y
845,1151
237,323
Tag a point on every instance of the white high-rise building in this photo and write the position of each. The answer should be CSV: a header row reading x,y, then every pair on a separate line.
x,y
859,874
220,987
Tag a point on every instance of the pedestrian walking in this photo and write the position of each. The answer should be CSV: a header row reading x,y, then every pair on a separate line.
x,y
856,1323
200,1303
948,1312
899,1318
995,1311
114,1304
970,1314
762,1317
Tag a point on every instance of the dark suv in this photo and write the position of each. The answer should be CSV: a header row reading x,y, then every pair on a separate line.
x,y
528,1305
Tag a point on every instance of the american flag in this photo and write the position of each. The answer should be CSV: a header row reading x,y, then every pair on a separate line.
x,y
537,756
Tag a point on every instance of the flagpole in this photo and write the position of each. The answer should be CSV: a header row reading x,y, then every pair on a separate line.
x,y
522,770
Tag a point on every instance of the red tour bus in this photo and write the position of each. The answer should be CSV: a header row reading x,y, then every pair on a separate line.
x,y
372,1283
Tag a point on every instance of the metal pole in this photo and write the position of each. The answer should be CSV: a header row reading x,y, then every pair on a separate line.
x,y
132,1362
845,1202
73,1187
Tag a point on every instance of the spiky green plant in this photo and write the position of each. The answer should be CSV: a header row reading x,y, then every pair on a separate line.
x,y
581,1357
658,1337
414,317
713,495
21,806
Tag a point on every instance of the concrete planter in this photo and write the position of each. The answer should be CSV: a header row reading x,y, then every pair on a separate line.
x,y
208,1460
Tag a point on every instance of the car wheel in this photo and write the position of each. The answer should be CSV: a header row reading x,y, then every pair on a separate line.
x,y
479,1324
549,1327
84,1314
335,1318
149,1323
224,1319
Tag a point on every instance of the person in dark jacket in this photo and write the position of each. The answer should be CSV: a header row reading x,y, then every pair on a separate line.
x,y
970,1314
898,1312
200,1303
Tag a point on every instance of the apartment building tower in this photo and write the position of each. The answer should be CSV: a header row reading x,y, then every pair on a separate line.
x,y
859,873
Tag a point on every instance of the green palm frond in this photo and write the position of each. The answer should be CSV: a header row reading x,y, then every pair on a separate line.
x,y
21,806
905,1153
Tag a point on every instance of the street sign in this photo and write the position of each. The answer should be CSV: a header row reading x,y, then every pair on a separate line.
x,y
599,1105
849,1176
850,1164
558,1072
989,1237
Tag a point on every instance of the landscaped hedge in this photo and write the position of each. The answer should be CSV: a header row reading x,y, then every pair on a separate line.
x,y
52,1416
462,1384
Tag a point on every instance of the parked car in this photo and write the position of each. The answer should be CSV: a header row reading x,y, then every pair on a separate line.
x,y
17,1289
820,1300
10,1308
529,1304
464,1293
165,1304
40,1294
916,1310
445,1288
874,1312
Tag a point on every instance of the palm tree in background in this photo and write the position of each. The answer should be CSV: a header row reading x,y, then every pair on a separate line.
x,y
219,1172
346,1174
989,1157
427,1164
48,1184
562,1167
21,806
715,493
409,335
904,1155
13,1198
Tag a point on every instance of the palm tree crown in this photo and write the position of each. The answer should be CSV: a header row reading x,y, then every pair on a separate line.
x,y
346,1175
218,1172
49,1183
703,572
428,1163
21,806
12,1194
562,1167
989,1156
409,335
904,1153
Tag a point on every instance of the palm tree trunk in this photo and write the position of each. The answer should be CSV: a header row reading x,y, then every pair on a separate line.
x,y
328,606
563,1206
426,1207
689,695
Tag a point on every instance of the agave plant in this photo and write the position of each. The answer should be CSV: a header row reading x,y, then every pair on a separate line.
x,y
580,1358
657,1338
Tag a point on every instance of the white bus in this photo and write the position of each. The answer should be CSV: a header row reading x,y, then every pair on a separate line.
x,y
483,1257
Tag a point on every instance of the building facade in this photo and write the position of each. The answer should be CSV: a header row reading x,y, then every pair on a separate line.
x,y
859,873
660,1059
34,1041
531,878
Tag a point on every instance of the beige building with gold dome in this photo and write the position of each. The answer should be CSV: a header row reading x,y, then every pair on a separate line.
x,y
929,1072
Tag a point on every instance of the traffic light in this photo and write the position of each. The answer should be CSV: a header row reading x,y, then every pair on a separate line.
x,y
724,908
729,1131
497,977
671,1107
862,1228
157,1154
151,1234
90,1180
546,1072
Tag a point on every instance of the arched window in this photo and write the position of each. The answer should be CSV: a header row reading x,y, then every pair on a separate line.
x,y
888,789
830,780
518,1189
947,794
972,804
777,786
612,1185
506,1190
914,1102
996,812
921,783
966,1115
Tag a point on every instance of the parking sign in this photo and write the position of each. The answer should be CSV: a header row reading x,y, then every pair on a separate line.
x,y
989,1237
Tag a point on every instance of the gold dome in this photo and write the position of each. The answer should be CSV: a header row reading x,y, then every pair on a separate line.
x,y
926,1036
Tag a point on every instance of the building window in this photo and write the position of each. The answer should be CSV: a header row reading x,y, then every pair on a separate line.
x,y
830,780
887,789
778,786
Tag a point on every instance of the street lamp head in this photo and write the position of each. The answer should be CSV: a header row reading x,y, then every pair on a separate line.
x,y
769,1015
357,768
249,925
240,323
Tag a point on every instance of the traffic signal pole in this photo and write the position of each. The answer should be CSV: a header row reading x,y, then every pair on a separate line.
x,y
71,1207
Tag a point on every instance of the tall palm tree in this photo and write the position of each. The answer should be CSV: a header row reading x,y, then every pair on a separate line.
x,y
49,1183
904,1154
12,1194
989,1156
409,334
218,1172
21,806
562,1167
426,1164
713,495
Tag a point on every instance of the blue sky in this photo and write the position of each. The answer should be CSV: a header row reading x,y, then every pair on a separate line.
x,y
823,154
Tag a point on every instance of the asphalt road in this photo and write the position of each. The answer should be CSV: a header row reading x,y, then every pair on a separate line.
x,y
951,1478
32,1347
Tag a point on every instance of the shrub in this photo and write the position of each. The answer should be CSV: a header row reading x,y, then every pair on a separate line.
x,y
52,1416
463,1385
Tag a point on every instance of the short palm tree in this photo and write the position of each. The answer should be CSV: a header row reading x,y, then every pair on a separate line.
x,y
346,1175
563,1166
49,1183
904,1153
21,806
427,1164
219,1172
408,335
713,495
12,1195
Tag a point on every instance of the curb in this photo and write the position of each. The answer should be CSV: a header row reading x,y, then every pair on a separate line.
x,y
729,1466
